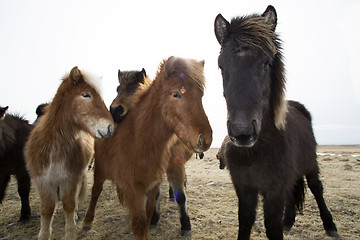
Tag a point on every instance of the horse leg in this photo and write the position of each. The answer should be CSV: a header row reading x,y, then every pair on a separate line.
x,y
95,193
247,202
184,216
69,205
171,193
296,199
4,180
47,206
153,202
156,214
316,188
23,182
176,177
290,214
273,214
139,220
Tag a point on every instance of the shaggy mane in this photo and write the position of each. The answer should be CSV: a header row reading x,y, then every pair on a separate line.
x,y
189,67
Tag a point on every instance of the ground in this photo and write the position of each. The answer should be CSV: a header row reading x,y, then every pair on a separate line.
x,y
212,205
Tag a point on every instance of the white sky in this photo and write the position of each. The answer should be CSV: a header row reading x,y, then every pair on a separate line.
x,y
42,40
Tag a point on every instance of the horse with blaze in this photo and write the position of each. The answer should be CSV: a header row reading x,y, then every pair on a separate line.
x,y
136,157
61,145
129,83
272,143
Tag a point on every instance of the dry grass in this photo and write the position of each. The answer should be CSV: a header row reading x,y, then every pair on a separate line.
x,y
212,205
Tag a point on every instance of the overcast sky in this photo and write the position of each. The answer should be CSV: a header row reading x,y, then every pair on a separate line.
x,y
42,40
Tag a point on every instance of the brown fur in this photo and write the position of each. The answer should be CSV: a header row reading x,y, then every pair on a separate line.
x,y
61,145
136,156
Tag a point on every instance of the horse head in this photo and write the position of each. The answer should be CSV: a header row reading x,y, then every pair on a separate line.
x,y
252,71
82,104
183,87
129,81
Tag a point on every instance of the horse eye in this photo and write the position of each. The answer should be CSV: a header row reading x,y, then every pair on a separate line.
x,y
176,95
86,95
266,64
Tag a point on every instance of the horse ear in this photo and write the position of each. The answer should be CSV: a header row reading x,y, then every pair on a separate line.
x,y
143,72
270,17
142,76
221,26
75,75
202,64
119,74
3,111
169,65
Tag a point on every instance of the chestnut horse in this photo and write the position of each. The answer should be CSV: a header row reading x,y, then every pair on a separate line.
x,y
14,131
61,145
272,145
130,82
135,158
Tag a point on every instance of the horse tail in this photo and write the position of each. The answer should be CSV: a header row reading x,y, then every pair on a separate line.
x,y
301,108
299,194
83,188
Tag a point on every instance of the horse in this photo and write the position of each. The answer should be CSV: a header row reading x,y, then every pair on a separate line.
x,y
136,157
220,155
14,131
129,83
61,145
272,143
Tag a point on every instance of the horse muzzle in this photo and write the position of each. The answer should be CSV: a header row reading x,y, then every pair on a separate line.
x,y
203,143
243,135
118,113
105,132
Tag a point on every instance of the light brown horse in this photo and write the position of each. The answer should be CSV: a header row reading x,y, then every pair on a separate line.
x,y
129,83
135,158
61,145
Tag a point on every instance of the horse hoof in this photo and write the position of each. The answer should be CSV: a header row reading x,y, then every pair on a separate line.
x,y
22,222
152,226
186,233
286,228
332,233
86,228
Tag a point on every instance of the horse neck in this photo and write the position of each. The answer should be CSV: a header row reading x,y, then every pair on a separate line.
x,y
57,125
149,126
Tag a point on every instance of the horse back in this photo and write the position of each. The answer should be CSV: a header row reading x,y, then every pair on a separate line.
x,y
299,138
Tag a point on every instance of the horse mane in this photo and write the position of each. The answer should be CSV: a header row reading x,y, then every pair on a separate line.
x,y
174,66
253,31
188,67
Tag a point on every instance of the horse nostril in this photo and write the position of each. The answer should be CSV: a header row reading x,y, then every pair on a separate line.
x,y
110,130
200,140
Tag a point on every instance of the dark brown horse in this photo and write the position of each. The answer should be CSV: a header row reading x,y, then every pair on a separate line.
x,y
61,145
14,131
135,158
272,143
129,83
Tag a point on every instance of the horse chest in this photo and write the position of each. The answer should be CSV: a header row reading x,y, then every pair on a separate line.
x,y
64,162
258,173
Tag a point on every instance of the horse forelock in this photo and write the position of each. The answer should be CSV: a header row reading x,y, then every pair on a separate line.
x,y
184,67
93,80
253,31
